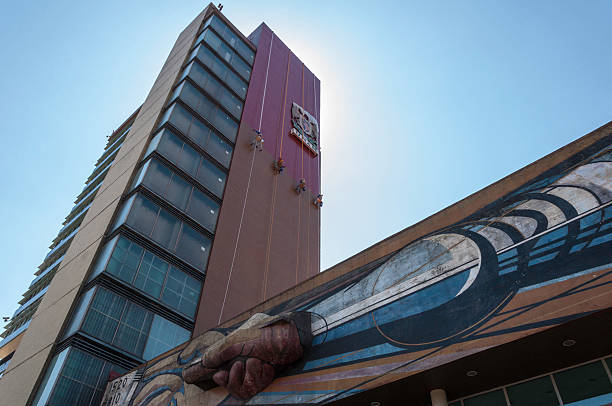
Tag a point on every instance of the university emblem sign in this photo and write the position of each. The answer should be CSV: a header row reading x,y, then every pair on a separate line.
x,y
305,128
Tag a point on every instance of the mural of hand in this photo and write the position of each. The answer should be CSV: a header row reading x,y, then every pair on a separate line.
x,y
247,360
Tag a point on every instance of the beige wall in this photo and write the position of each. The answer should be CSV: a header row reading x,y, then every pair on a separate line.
x,y
19,383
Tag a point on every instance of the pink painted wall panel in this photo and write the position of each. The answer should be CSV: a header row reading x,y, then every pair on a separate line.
x,y
285,70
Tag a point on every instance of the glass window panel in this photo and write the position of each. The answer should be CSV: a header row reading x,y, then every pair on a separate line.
x,y
214,88
79,313
211,177
178,192
203,209
164,336
103,258
133,329
219,68
166,229
457,403
181,292
495,398
151,274
124,260
537,392
583,382
157,177
227,54
104,314
193,247
82,380
220,150
143,214
50,378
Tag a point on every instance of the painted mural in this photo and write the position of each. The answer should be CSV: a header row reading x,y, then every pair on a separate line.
x,y
536,258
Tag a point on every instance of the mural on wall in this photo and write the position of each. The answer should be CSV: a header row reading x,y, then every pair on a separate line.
x,y
538,257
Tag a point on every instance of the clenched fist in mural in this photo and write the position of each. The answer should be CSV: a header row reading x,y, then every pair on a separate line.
x,y
247,360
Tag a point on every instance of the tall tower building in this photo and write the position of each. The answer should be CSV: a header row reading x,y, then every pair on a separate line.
x,y
205,202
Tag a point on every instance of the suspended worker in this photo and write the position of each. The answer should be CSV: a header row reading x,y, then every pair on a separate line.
x,y
257,141
318,201
301,187
279,165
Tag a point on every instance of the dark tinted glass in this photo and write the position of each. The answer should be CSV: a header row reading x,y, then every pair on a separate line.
x,y
166,229
218,67
220,150
104,314
537,392
142,216
151,275
186,158
82,380
207,110
211,177
182,292
583,382
204,210
193,247
164,336
124,260
214,88
233,39
227,54
170,232
495,398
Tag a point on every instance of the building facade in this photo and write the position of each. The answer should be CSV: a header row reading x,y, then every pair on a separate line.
x,y
503,298
184,223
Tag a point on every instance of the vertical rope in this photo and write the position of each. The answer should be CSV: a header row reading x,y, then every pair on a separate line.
x,y
299,227
263,101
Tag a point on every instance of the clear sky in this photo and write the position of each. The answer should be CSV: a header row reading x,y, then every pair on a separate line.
x,y
423,102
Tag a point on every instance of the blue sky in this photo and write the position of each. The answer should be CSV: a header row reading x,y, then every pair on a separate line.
x,y
423,103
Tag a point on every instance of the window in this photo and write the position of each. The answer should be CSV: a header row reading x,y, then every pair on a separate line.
x,y
150,274
128,326
218,67
163,337
182,155
183,195
232,38
494,398
181,292
206,109
82,380
537,392
171,233
214,88
226,53
584,382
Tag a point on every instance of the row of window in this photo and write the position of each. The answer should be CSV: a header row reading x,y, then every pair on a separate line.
x,y
182,194
198,132
207,109
126,325
209,59
171,147
584,385
150,274
75,378
157,224
214,88
231,38
226,53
